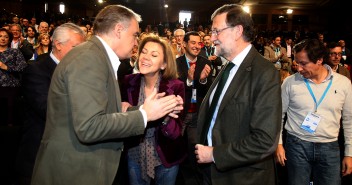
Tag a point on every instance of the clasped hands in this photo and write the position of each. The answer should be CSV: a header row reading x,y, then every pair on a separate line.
x,y
157,105
203,75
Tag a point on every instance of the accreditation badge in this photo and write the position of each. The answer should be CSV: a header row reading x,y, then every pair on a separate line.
x,y
194,96
311,122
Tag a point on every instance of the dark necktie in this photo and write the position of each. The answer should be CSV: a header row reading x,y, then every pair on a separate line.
x,y
214,102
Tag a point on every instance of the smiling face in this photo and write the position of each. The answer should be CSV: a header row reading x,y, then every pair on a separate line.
x,y
16,31
30,32
151,59
193,46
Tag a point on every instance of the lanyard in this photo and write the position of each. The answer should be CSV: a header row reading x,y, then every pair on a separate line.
x,y
206,51
312,94
188,65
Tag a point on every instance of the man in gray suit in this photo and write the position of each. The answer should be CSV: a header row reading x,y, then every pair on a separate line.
x,y
82,141
238,139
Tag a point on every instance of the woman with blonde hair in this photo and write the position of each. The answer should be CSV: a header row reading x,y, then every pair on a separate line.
x,y
43,46
158,153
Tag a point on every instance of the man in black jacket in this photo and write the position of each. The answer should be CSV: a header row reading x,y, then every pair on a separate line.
x,y
195,71
208,51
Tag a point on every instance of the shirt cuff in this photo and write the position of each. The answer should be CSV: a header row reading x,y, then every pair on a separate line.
x,y
203,81
189,83
144,114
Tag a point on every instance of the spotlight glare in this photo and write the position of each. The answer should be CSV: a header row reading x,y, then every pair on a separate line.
x,y
246,9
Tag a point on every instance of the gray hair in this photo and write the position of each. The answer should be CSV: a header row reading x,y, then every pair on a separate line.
x,y
111,15
43,22
17,25
62,31
183,31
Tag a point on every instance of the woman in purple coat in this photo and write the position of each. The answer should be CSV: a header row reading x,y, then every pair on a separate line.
x,y
157,153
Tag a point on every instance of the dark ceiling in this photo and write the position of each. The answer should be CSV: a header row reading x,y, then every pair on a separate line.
x,y
192,5
153,11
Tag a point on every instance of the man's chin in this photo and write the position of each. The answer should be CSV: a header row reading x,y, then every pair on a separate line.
x,y
305,75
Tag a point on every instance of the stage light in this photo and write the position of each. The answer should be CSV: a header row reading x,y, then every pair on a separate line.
x,y
246,9
62,8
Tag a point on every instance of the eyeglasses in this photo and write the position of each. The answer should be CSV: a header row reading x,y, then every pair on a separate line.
x,y
217,32
335,54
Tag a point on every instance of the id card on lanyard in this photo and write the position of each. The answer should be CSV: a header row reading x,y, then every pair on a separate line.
x,y
194,91
312,120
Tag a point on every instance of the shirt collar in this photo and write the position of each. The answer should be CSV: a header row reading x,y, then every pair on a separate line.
x,y
328,77
240,57
54,58
114,59
191,61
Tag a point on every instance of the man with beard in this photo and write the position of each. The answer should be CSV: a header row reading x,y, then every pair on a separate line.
x,y
334,57
194,71
208,51
239,119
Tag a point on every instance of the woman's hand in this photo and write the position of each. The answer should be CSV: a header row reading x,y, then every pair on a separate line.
x,y
3,66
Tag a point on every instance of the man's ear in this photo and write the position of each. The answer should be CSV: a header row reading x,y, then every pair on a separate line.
x,y
118,29
320,61
238,31
58,45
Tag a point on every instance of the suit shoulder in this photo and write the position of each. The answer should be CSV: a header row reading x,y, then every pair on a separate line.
x,y
181,59
176,82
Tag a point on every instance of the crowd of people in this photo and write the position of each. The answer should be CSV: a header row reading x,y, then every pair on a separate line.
x,y
108,103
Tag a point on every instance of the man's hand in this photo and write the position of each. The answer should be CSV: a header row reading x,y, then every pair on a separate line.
x,y
204,154
205,72
280,155
125,106
346,166
191,70
212,57
157,106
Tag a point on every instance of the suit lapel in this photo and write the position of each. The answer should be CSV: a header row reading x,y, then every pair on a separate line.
x,y
240,78
204,108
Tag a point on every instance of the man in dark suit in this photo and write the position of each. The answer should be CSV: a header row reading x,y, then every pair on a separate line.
x,y
85,125
36,82
208,51
238,139
195,72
